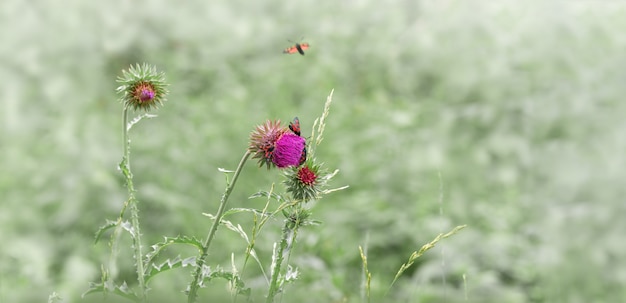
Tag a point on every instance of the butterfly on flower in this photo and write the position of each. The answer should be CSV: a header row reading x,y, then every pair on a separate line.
x,y
298,47
294,126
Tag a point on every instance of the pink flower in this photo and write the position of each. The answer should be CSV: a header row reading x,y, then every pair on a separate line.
x,y
288,150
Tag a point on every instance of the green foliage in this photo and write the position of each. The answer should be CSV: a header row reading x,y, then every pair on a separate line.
x,y
517,105
108,225
158,247
120,290
167,265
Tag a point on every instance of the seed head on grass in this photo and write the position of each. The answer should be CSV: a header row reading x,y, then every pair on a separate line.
x,y
142,87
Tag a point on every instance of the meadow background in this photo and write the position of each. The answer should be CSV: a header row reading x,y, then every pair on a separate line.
x,y
507,116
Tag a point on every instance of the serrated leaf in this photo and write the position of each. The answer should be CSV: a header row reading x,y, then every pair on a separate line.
x,y
250,210
120,290
167,265
108,225
234,279
238,229
137,119
54,297
239,210
158,247
128,227
266,194
292,274
308,222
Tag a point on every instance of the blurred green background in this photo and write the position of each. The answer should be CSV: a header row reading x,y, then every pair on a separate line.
x,y
505,116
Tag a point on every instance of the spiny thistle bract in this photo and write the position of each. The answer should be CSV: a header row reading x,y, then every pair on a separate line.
x,y
306,182
274,144
142,87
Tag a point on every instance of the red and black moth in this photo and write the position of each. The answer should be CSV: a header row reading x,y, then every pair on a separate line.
x,y
295,128
298,47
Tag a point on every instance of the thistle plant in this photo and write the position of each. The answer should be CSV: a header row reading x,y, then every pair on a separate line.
x,y
273,144
142,89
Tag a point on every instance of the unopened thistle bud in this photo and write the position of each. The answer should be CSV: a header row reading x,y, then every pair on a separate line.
x,y
142,87
305,183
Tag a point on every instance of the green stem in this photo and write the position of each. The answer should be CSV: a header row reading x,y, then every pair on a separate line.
x,y
279,260
134,210
195,284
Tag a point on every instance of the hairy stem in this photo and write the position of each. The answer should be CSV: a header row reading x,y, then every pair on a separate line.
x,y
279,260
134,210
195,283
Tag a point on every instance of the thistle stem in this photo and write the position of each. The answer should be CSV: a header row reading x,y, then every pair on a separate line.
x,y
279,260
134,210
195,284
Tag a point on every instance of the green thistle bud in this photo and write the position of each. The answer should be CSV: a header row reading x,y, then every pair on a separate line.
x,y
142,87
297,217
305,182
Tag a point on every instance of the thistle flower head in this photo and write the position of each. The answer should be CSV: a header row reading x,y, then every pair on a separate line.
x,y
288,150
263,141
274,144
306,182
142,87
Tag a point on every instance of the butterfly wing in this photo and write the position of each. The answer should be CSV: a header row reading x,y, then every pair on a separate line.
x,y
303,156
290,50
300,48
295,126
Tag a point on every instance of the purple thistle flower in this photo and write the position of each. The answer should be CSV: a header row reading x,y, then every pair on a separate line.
x,y
263,141
142,87
145,93
288,150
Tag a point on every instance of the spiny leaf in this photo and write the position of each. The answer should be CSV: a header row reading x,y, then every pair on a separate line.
x,y
120,290
238,229
158,247
137,119
108,225
54,298
129,228
167,265
266,194
233,278
250,210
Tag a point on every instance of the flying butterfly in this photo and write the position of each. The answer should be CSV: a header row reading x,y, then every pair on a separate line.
x,y
298,47
294,126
